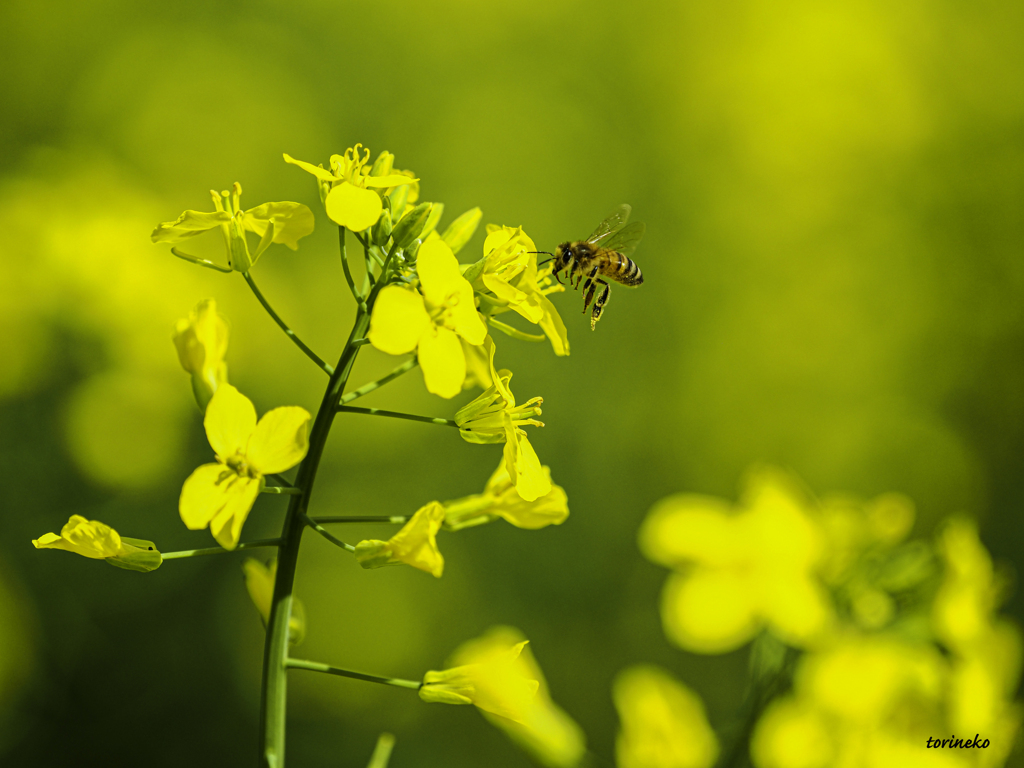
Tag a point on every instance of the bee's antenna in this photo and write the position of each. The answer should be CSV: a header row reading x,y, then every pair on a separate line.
x,y
545,253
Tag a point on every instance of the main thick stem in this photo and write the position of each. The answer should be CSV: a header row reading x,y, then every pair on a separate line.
x,y
275,652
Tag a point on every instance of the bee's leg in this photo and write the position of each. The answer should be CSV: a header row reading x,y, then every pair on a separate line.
x,y
586,285
599,304
588,295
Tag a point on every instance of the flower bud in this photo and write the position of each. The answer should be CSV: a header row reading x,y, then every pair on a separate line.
x,y
462,229
411,225
381,231
383,164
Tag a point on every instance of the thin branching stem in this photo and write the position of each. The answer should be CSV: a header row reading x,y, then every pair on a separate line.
x,y
284,327
315,666
344,265
396,415
220,550
327,534
366,389
394,519
284,490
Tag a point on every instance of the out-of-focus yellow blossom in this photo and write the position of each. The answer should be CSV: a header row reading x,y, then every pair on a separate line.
x,y
739,570
220,495
415,544
865,701
663,722
510,272
498,674
431,322
986,651
347,188
501,499
98,541
283,223
494,417
202,340
259,582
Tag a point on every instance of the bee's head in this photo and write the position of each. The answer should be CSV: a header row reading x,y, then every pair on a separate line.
x,y
563,256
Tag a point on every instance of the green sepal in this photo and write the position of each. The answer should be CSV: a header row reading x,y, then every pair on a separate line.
x,y
436,211
411,225
373,553
398,195
460,231
137,555
482,438
472,271
383,164
381,231
238,250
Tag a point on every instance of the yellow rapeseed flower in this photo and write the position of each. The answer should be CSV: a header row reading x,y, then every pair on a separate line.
x,y
739,570
498,674
501,499
431,320
511,274
494,417
98,541
282,222
220,495
347,188
415,544
202,340
663,722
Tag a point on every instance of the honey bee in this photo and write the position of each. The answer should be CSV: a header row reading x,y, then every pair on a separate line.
x,y
606,253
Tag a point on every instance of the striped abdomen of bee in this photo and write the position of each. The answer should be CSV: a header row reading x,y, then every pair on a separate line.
x,y
617,267
584,260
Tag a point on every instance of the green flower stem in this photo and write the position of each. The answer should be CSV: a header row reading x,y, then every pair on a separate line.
x,y
344,265
220,550
361,342
327,534
395,519
273,703
282,480
366,389
515,333
289,490
201,262
395,415
315,666
284,327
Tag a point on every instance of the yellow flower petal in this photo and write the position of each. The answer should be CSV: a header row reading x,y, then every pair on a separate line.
x,y
189,224
663,722
442,361
708,611
444,286
415,544
230,419
354,208
280,440
320,173
216,492
226,526
291,222
399,320
89,538
522,464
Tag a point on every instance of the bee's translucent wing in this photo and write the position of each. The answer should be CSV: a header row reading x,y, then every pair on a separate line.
x,y
615,221
626,239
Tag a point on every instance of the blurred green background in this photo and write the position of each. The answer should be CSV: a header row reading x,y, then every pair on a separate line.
x,y
834,283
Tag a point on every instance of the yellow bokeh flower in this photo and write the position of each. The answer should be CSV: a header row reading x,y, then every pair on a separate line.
x,y
220,495
494,417
498,674
663,722
98,541
415,544
511,274
259,583
284,222
739,570
501,499
347,188
202,340
431,320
